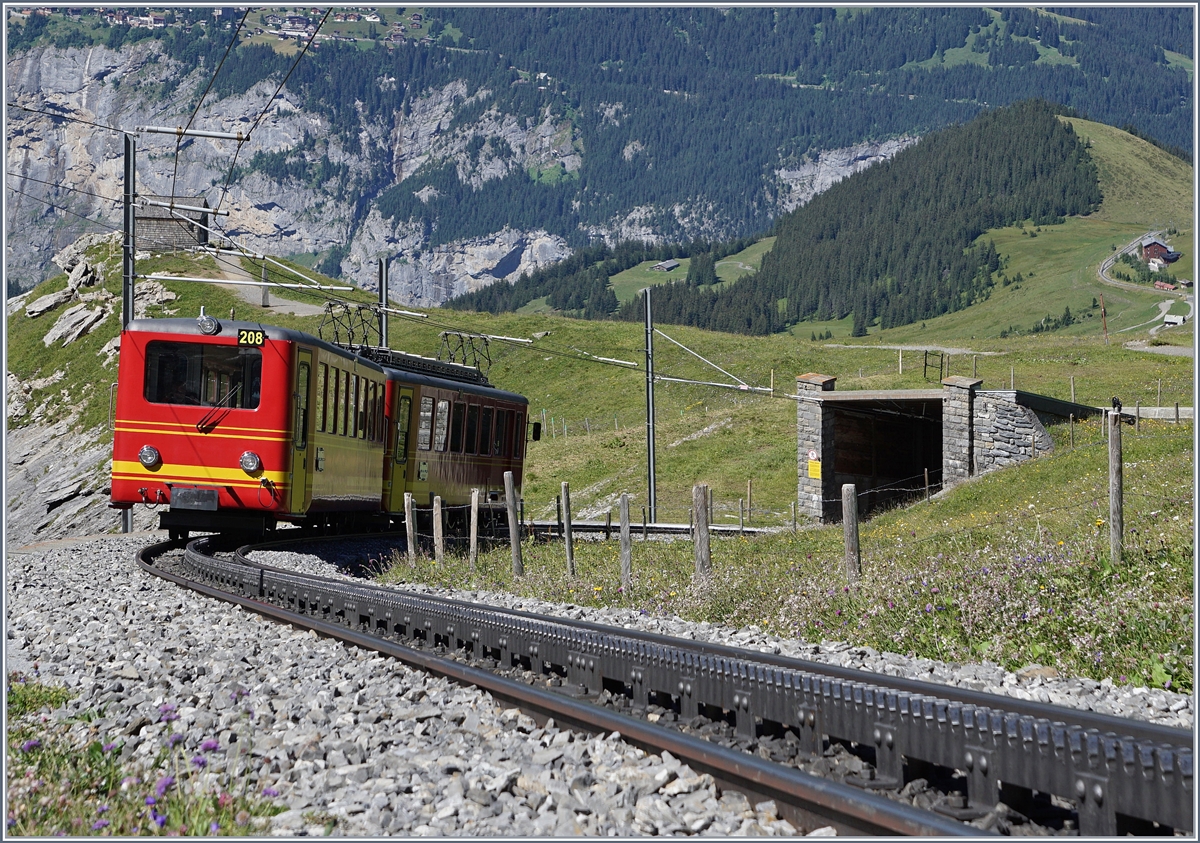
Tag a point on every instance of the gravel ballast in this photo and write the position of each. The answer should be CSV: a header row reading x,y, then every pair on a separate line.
x,y
346,736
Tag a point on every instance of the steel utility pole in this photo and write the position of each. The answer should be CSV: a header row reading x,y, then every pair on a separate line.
x,y
127,265
383,302
127,243
650,409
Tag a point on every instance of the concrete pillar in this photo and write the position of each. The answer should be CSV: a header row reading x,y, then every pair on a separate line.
x,y
958,429
816,495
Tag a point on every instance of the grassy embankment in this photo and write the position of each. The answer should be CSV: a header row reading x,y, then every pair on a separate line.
x,y
726,438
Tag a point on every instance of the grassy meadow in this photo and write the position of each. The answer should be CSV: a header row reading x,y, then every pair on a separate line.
x,y
1019,563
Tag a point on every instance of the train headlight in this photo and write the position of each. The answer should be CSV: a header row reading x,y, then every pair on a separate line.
x,y
149,456
250,462
207,324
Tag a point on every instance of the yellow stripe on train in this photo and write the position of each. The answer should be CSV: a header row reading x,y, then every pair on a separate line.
x,y
190,430
133,470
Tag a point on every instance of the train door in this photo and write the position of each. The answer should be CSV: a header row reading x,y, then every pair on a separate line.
x,y
400,468
298,481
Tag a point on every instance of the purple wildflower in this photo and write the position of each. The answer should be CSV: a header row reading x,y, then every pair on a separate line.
x,y
109,747
31,744
164,784
270,791
928,607
161,819
200,761
150,800
12,821
174,739
99,824
209,745
214,827
101,809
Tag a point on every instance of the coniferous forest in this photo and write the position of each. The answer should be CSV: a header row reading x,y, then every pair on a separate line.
x,y
895,242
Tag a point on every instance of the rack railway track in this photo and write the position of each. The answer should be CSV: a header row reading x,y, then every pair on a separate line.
x,y
1107,775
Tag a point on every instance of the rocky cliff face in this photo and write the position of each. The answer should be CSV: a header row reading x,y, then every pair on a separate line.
x,y
79,167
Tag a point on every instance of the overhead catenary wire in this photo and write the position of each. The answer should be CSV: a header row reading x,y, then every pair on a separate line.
x,y
213,78
63,187
64,210
266,108
67,117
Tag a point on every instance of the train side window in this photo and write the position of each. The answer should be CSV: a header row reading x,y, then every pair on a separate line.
x,y
335,401
485,431
301,429
456,427
498,436
440,424
371,411
351,403
518,436
472,428
322,374
380,418
362,409
425,424
402,418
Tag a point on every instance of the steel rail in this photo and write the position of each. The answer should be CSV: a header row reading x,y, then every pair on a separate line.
x,y
1083,718
801,797
1109,767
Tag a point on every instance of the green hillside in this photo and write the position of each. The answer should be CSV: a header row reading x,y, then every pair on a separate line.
x,y
728,439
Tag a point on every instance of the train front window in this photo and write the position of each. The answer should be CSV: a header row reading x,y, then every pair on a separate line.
x,y
202,374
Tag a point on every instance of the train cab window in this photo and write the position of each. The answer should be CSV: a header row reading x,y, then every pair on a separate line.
x,y
498,435
402,418
456,427
319,411
425,424
472,428
440,423
202,374
519,437
485,431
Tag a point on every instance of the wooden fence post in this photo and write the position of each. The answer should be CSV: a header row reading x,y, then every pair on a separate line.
x,y
703,551
927,484
1072,389
750,500
850,531
645,527
1116,510
626,546
566,509
514,532
1137,416
410,530
473,550
1072,424
742,516
439,538
793,516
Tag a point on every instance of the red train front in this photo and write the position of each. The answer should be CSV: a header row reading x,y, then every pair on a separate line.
x,y
213,426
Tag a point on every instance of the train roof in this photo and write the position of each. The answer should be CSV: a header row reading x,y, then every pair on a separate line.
x,y
230,327
435,377
422,379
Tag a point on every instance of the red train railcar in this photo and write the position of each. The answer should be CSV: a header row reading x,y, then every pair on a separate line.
x,y
450,432
232,426
214,424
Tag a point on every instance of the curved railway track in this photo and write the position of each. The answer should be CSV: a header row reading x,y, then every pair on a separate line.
x,y
1096,773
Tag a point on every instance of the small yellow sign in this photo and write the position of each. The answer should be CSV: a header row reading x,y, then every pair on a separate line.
x,y
814,469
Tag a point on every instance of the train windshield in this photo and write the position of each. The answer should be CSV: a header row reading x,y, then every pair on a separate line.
x,y
203,374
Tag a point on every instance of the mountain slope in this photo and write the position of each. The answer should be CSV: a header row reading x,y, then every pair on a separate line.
x,y
490,142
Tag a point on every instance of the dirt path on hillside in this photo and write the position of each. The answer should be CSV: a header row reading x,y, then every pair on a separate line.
x,y
233,271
